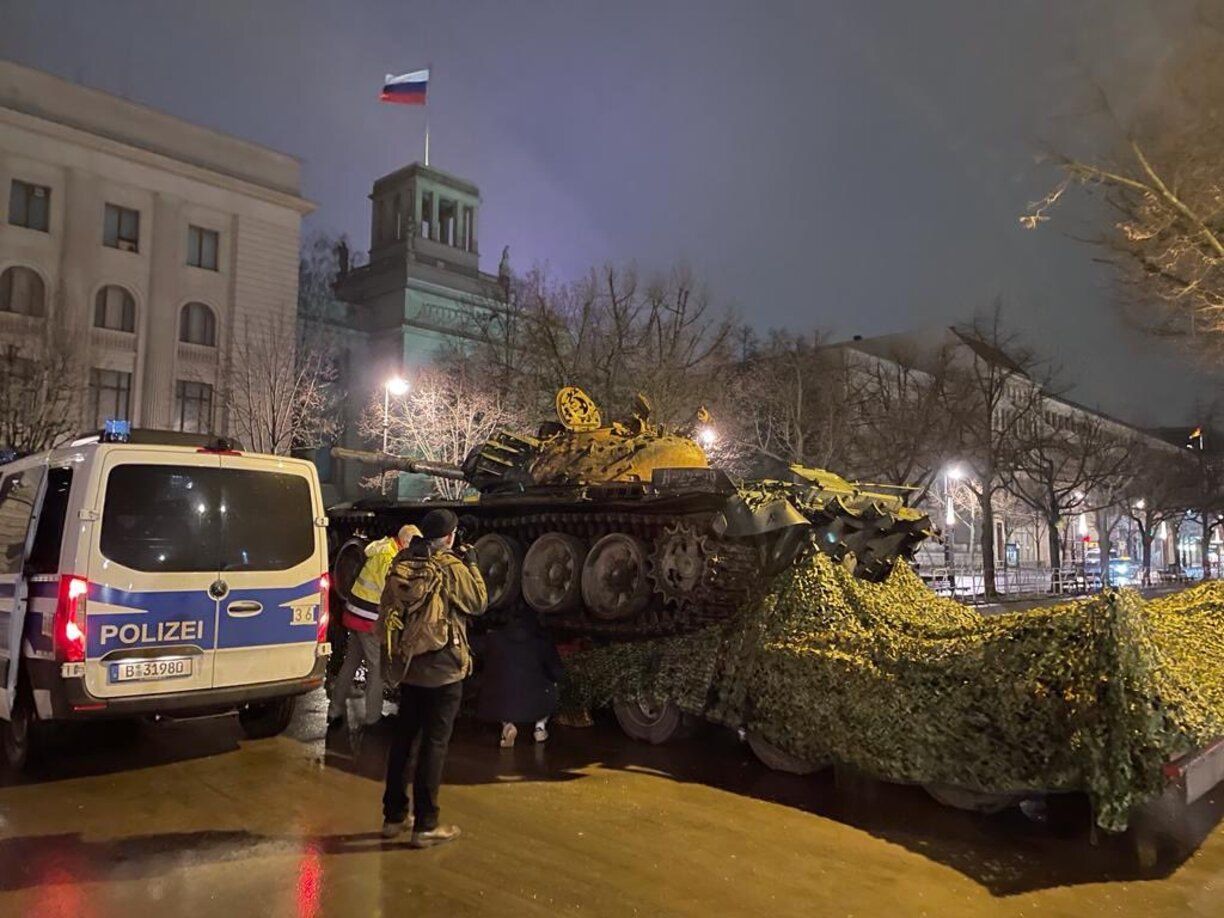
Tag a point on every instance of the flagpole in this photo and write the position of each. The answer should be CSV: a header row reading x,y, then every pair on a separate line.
x,y
430,70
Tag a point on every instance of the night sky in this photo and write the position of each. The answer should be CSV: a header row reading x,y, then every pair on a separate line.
x,y
855,167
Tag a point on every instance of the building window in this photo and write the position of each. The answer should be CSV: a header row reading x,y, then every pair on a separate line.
x,y
202,248
429,229
469,229
447,213
22,291
397,217
121,228
115,309
109,395
30,205
198,325
193,406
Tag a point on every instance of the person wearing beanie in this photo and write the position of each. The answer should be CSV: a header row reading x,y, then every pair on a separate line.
x,y
359,618
433,685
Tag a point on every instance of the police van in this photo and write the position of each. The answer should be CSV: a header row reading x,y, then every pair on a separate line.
x,y
149,572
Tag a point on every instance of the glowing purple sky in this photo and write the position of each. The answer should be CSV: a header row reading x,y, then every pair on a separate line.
x,y
857,167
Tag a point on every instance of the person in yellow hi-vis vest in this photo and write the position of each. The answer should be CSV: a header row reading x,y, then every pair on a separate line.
x,y
360,617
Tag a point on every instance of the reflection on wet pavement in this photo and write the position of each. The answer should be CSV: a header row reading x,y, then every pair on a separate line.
x,y
187,819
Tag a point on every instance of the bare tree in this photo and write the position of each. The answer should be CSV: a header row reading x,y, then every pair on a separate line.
x,y
995,400
903,432
793,401
42,390
282,389
1161,489
442,418
611,333
1164,188
1067,458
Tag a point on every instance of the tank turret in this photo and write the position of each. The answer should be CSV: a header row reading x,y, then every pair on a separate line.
x,y
624,528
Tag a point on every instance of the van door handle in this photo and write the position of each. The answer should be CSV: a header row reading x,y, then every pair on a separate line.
x,y
244,608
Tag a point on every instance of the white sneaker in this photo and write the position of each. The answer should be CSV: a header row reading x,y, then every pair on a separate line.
x,y
508,735
541,733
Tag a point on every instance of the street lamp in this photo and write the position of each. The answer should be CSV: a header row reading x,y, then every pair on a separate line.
x,y
951,473
396,386
707,436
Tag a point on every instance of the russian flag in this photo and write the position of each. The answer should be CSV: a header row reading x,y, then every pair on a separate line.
x,y
407,88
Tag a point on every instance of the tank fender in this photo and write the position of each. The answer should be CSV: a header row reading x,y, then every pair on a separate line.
x,y
743,521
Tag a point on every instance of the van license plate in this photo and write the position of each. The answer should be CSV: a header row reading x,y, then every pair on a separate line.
x,y
148,670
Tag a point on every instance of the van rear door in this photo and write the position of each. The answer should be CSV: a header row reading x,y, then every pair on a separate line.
x,y
151,613
272,557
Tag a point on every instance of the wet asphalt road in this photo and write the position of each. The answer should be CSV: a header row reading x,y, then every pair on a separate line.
x,y
189,819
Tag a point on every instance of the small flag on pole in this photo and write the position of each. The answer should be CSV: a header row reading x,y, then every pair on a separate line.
x,y
1196,433
407,88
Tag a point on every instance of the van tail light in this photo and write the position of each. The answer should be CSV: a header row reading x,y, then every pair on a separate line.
x,y
324,605
70,618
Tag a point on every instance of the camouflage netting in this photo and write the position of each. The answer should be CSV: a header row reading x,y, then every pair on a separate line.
x,y
1094,695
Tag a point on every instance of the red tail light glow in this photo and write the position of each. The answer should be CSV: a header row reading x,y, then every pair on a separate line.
x,y
324,605
70,618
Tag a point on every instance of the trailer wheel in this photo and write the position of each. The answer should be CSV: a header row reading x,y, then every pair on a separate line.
x,y
653,722
776,759
263,719
20,734
973,801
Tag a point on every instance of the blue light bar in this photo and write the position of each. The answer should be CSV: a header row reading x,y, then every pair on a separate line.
x,y
116,431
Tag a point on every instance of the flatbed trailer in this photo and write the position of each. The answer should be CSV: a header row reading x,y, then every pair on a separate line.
x,y
1188,778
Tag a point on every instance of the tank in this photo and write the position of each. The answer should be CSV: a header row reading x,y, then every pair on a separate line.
x,y
624,529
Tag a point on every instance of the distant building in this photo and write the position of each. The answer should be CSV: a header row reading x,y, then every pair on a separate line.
x,y
420,291
154,241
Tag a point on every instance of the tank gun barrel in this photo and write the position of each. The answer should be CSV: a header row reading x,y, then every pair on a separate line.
x,y
387,463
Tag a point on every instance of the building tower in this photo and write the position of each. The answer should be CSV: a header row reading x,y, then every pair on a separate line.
x,y
421,289
422,286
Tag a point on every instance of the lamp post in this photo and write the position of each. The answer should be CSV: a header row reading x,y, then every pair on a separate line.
x,y
951,473
396,386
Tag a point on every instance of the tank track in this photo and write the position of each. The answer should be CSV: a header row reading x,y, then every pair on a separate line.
x,y
732,576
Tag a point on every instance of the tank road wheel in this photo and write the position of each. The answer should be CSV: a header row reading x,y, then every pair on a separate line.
x,y
776,759
552,573
501,564
653,722
615,586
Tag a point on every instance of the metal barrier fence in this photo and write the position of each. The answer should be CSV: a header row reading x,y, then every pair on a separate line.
x,y
968,583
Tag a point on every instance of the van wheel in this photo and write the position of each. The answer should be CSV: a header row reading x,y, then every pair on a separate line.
x,y
19,735
266,718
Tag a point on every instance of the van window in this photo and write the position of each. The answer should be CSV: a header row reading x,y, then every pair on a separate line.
x,y
188,518
269,521
17,493
45,552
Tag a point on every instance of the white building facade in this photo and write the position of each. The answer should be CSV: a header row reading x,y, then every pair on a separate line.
x,y
148,243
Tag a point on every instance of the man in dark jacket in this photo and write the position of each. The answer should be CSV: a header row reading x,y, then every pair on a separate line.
x,y
519,681
432,690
